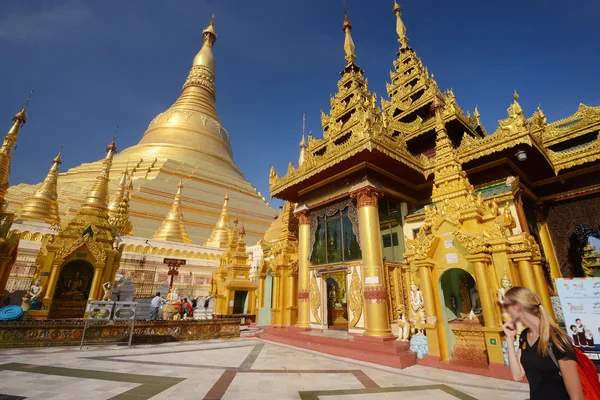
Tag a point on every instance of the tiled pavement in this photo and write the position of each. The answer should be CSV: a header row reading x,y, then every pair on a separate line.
x,y
235,369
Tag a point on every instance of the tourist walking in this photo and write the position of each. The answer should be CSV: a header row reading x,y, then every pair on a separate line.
x,y
546,355
155,304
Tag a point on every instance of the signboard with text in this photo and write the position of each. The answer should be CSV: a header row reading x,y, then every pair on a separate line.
x,y
580,302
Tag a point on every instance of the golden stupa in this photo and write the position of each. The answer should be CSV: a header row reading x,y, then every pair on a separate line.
x,y
186,142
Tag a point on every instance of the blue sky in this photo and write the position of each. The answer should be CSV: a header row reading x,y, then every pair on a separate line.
x,y
97,64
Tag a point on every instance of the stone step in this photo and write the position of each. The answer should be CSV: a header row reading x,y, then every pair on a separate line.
x,y
388,355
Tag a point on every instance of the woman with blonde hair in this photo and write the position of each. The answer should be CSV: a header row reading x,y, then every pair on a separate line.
x,y
546,355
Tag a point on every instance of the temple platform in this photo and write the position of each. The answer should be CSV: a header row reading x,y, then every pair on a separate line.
x,y
493,370
48,333
390,353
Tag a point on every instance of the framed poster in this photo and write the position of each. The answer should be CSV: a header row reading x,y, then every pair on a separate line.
x,y
580,302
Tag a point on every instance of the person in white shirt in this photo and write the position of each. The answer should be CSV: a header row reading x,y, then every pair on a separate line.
x,y
155,304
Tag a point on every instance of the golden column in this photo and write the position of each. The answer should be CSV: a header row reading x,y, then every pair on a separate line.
x,y
291,309
526,271
547,245
276,305
376,316
303,269
261,290
540,279
487,297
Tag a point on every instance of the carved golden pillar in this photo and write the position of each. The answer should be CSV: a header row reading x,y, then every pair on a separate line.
x,y
276,305
96,283
526,271
437,342
547,245
491,329
291,309
303,269
376,316
261,290
538,272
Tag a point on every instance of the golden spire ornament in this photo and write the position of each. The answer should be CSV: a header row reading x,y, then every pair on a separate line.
x,y
8,145
348,42
302,146
173,227
92,216
117,197
42,206
120,217
220,235
400,27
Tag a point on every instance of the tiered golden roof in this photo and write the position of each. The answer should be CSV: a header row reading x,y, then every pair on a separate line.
x,y
118,195
120,217
405,129
173,227
221,234
43,205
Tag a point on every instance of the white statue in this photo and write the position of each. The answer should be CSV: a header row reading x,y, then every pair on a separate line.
x,y
403,326
35,291
506,284
417,304
107,286
173,295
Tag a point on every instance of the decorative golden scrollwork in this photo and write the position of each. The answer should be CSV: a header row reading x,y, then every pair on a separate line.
x,y
315,298
473,244
355,298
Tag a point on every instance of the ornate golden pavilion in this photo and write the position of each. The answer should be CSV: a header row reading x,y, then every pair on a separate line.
x,y
415,191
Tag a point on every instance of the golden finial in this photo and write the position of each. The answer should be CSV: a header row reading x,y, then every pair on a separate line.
x,y
42,206
209,33
220,235
516,95
400,27
348,42
173,227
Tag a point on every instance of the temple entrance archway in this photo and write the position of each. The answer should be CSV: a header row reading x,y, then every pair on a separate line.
x,y
336,312
72,289
462,316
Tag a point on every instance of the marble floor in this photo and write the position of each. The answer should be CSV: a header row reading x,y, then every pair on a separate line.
x,y
246,368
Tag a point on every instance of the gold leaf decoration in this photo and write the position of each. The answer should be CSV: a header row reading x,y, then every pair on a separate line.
x,y
355,299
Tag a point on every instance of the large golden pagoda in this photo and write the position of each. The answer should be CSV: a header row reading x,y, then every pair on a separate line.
x,y
186,142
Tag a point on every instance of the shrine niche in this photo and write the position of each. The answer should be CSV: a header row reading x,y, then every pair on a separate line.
x,y
74,281
337,301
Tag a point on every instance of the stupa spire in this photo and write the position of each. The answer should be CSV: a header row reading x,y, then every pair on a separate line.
x,y
6,150
302,146
92,216
220,235
173,227
117,197
400,27
349,47
43,205
119,219
450,180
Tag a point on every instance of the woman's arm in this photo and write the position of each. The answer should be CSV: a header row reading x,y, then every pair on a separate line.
x,y
568,369
514,362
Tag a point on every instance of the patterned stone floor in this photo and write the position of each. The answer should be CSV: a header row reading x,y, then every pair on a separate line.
x,y
236,369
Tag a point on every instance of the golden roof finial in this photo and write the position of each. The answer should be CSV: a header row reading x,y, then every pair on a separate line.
x,y
348,42
119,218
400,27
173,227
205,57
42,206
10,140
117,198
302,144
220,235
93,213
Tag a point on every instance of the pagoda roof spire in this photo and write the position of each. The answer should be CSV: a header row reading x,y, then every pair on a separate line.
x,y
92,216
119,217
173,227
205,57
400,27
221,233
42,206
349,47
119,194
8,145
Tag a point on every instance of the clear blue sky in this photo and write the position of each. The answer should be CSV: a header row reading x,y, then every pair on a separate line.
x,y
98,64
